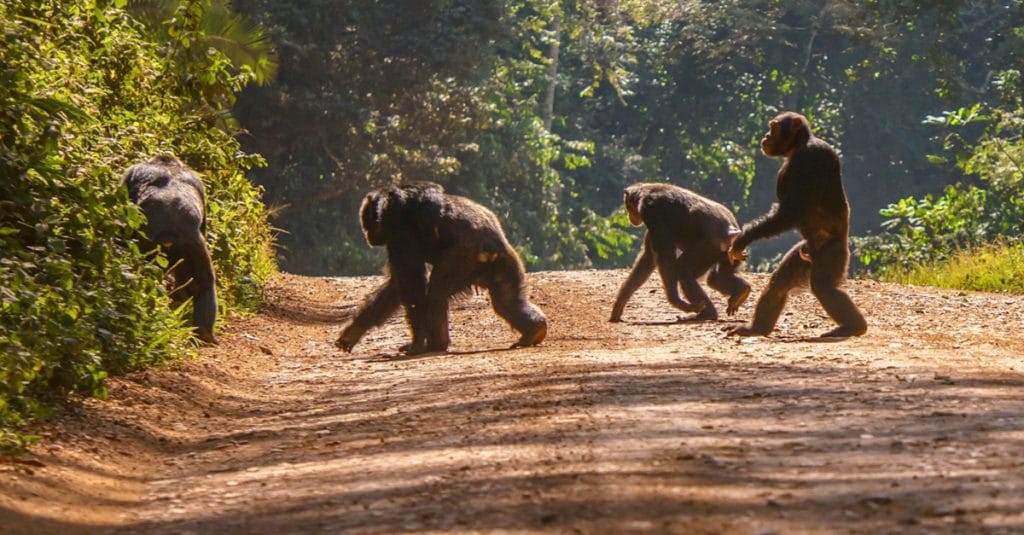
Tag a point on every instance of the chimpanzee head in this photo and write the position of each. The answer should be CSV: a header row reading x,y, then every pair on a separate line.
x,y
371,215
786,132
632,196
384,210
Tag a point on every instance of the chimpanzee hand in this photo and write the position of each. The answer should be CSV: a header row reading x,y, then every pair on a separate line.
x,y
349,338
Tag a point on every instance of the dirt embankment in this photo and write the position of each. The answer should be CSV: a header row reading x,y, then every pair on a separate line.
x,y
644,426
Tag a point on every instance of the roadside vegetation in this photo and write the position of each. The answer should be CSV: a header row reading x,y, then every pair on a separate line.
x,y
84,93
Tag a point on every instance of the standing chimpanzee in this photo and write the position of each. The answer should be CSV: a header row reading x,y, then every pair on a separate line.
x,y
679,219
463,242
173,199
812,200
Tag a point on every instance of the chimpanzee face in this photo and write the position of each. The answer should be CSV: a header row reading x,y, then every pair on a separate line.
x,y
783,134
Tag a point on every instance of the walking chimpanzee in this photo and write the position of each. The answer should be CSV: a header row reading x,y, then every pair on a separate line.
x,y
464,245
810,199
678,219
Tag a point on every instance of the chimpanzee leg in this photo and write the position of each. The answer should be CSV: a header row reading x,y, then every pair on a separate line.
x,y
448,277
204,301
664,249
723,278
693,263
408,269
191,269
792,272
506,283
642,269
374,311
828,270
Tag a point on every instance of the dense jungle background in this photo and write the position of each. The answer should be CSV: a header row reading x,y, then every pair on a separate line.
x,y
546,110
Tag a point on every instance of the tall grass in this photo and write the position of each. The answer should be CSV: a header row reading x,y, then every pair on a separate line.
x,y
997,267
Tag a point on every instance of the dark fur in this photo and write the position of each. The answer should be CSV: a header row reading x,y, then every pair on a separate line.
x,y
173,199
463,242
812,201
680,220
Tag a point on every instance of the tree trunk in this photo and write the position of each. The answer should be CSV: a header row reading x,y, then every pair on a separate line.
x,y
548,112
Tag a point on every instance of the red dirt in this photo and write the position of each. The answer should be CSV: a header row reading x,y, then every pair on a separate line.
x,y
645,426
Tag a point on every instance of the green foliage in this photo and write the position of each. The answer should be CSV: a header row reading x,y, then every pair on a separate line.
x,y
929,228
472,94
965,216
609,238
992,268
84,94
241,39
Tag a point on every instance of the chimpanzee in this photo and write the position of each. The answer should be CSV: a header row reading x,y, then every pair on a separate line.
x,y
679,219
173,199
811,200
464,244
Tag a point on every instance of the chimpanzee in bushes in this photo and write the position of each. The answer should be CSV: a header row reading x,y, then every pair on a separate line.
x,y
173,199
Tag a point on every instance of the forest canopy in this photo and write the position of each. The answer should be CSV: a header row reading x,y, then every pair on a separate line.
x,y
545,110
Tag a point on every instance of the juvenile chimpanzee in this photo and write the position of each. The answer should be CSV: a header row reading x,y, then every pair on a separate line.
x,y
679,219
464,244
173,199
811,200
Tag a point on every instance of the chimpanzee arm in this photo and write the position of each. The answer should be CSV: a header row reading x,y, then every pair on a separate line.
x,y
778,220
408,270
642,269
406,284
374,311
796,200
204,302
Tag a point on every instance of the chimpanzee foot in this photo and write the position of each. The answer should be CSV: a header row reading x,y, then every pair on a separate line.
x,y
708,314
207,336
747,330
533,337
736,300
687,306
411,349
846,331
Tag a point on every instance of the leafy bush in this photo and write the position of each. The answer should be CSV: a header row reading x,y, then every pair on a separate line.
x,y
83,95
929,230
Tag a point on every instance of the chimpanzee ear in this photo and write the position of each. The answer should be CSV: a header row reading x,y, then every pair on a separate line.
x,y
800,124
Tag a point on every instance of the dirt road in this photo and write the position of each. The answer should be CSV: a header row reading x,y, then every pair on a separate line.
x,y
645,426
